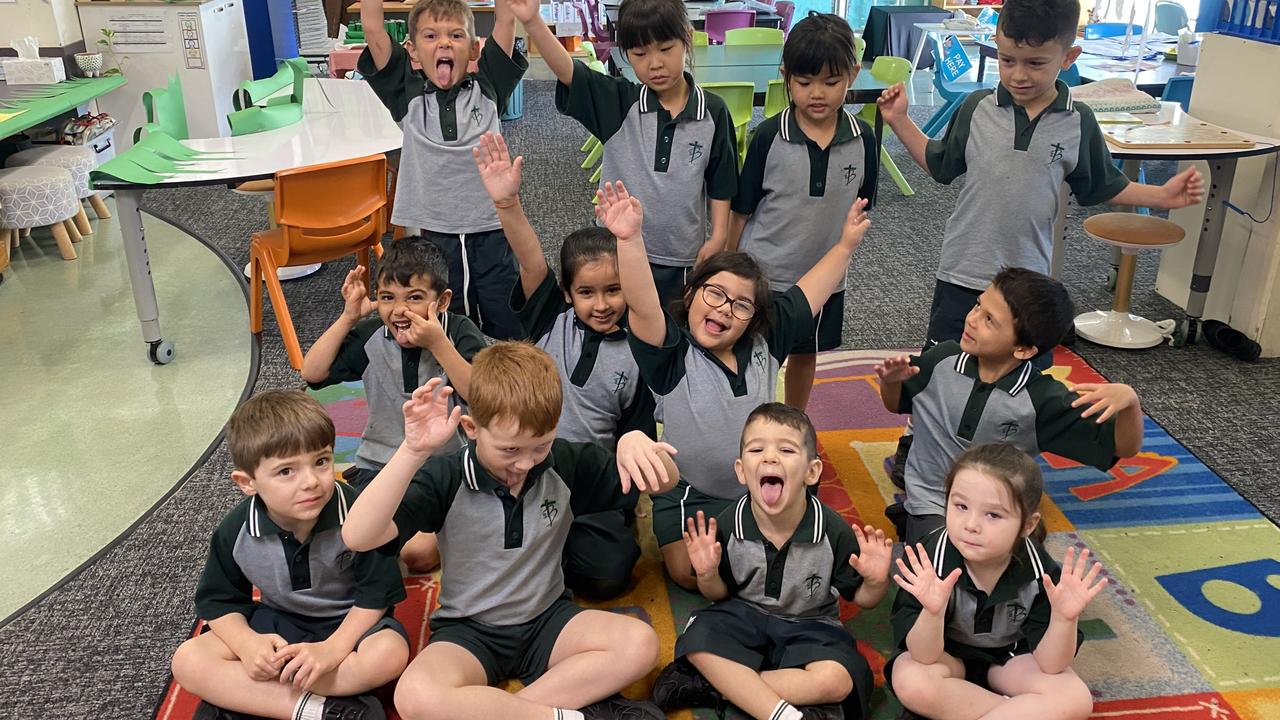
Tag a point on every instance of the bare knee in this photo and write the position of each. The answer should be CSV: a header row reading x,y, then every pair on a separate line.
x,y
641,643
1076,699
914,685
383,657
832,681
421,701
186,663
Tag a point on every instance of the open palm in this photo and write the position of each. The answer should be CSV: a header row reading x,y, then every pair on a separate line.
x,y
875,553
428,422
1075,587
701,544
919,578
619,211
500,175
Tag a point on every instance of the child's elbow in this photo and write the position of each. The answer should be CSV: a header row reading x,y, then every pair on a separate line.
x,y
354,539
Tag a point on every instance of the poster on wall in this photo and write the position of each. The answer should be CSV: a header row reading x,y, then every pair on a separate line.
x,y
140,32
192,52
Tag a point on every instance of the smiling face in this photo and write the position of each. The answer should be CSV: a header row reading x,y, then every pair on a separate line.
x,y
506,450
394,299
443,46
1030,72
989,333
718,328
294,488
776,466
659,65
596,294
983,521
819,97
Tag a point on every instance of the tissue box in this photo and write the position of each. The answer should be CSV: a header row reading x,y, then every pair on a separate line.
x,y
42,71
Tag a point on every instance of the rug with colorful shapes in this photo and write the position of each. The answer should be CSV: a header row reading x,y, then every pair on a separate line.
x,y
1188,629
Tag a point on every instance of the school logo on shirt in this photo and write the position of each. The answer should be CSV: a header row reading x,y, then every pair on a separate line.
x,y
619,381
695,151
1008,429
850,174
549,511
476,115
343,561
1017,614
812,585
758,357
1055,152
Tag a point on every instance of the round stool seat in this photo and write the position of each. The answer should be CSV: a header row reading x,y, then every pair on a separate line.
x,y
76,159
256,187
36,196
1133,231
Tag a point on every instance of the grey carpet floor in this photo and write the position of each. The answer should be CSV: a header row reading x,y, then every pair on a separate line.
x,y
99,646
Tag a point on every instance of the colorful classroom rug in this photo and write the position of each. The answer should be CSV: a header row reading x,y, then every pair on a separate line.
x,y
1188,630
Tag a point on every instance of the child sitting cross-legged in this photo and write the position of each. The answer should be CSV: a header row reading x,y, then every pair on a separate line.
x,y
323,626
501,508
775,563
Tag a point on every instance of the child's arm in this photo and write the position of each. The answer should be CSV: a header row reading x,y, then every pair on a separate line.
x,y
892,373
646,463
623,216
1107,400
926,639
428,334
556,57
504,27
893,109
1068,597
502,178
308,662
255,650
375,33
1185,188
428,424
737,222
704,555
826,276
356,304
875,552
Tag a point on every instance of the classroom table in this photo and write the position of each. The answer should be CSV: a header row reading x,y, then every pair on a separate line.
x,y
1150,81
891,30
34,112
695,10
341,120
483,13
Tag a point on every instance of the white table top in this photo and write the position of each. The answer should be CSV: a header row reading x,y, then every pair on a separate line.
x,y
1173,112
944,30
355,125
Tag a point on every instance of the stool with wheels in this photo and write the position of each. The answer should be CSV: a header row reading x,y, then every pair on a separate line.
x,y
1131,233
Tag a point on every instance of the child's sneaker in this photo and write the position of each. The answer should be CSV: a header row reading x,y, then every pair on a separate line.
x,y
822,712
680,686
620,708
207,711
363,707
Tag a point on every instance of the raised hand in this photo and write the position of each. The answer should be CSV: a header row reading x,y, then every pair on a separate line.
x,y
1104,399
640,463
619,211
424,332
1185,188
702,546
856,223
524,10
355,294
428,422
500,174
893,103
896,370
1075,587
875,552
919,578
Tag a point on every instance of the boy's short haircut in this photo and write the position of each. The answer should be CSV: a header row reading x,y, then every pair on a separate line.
x,y
515,380
820,41
415,256
275,424
1040,305
583,246
641,22
442,9
787,416
1036,22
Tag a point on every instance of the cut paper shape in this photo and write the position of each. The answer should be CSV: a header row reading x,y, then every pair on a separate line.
x,y
1188,589
124,169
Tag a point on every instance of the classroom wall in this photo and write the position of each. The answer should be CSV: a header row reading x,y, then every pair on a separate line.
x,y
55,22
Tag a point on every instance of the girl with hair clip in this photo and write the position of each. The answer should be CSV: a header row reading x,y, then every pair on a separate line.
x,y
986,621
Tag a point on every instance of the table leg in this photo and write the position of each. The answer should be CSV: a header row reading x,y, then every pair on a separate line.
x,y
159,351
915,57
1221,174
982,65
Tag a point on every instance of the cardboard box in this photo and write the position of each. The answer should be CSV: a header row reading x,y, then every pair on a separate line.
x,y
44,71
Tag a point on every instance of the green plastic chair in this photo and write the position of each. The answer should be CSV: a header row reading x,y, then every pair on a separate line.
x,y
701,39
753,36
166,111
775,98
890,71
257,111
589,48
859,48
740,97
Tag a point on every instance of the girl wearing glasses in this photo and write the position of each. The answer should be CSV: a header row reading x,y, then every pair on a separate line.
x,y
715,360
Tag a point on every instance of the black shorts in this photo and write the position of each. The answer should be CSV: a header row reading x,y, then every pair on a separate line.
x,y
521,651
481,280
736,630
670,280
951,305
828,327
600,553
977,662
672,508
302,629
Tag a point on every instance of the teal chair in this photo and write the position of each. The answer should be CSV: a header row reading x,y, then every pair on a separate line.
x,y
1098,31
1071,76
1171,17
890,71
952,91
1178,90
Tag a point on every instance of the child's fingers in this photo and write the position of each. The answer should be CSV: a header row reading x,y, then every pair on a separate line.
x,y
1091,578
518,164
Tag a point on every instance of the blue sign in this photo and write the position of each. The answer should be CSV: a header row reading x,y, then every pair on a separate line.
x,y
955,61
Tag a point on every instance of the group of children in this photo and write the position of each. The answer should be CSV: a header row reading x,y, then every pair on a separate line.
x,y
517,467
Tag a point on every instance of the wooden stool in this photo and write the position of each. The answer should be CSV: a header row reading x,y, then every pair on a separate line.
x,y
1131,233
79,160
40,196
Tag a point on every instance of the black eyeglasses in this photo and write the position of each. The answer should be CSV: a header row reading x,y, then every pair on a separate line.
x,y
715,296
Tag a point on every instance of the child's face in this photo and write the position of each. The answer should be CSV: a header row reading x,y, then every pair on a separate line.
x,y
443,47
1030,72
395,299
659,65
294,488
507,450
775,466
982,519
596,294
718,328
988,330
818,98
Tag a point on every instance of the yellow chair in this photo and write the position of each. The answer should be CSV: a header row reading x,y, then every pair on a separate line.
x,y
891,71
701,39
775,98
325,212
753,36
740,97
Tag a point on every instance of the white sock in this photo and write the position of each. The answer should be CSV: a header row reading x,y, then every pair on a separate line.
x,y
310,707
560,714
786,711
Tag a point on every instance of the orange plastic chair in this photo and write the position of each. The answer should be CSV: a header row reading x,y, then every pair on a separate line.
x,y
315,226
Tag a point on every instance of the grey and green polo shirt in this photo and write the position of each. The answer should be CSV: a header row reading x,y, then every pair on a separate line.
x,y
703,405
318,577
1015,166
952,409
439,188
391,373
995,626
604,397
500,554
673,164
798,194
801,579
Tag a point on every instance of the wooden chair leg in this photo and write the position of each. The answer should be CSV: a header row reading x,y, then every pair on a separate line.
x,y
255,294
283,319
64,241
4,248
26,232
72,230
99,207
82,221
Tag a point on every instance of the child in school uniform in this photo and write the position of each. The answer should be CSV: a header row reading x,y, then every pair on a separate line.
x,y
581,323
670,142
804,167
717,361
986,623
443,110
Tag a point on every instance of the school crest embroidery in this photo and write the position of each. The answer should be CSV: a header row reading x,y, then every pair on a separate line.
x,y
1008,429
619,381
1055,152
476,115
1016,614
812,585
695,151
549,511
850,174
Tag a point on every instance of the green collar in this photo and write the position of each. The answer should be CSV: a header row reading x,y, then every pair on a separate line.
x,y
695,107
1013,383
789,128
1062,102
477,478
812,527
332,515
1025,567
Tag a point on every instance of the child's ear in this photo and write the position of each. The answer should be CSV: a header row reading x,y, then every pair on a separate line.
x,y
469,426
1030,524
475,50
1025,352
244,481
443,300
737,470
1072,54
814,472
